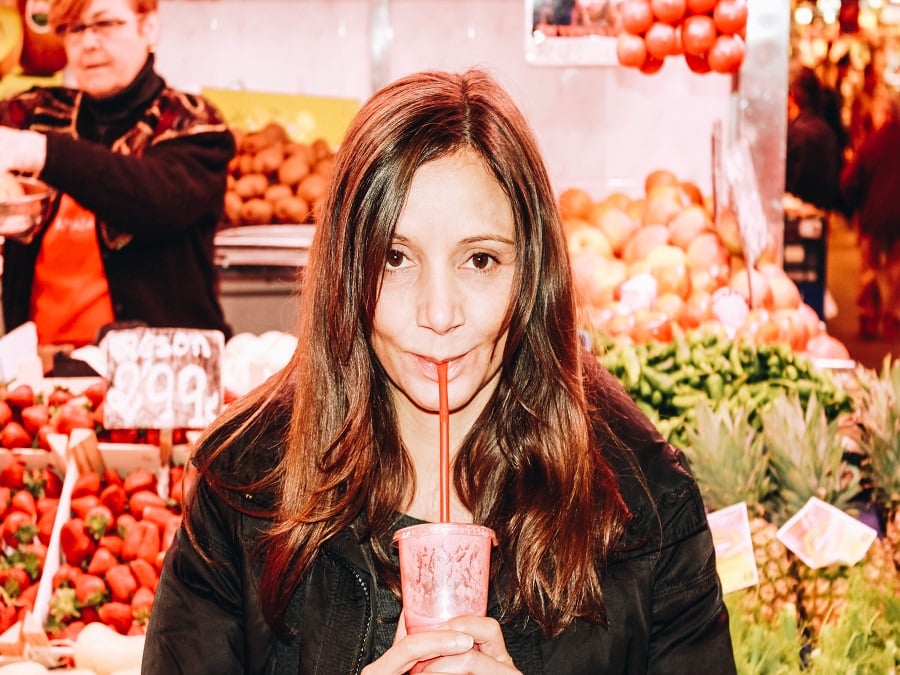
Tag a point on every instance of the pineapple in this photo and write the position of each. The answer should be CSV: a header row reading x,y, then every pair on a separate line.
x,y
807,459
728,461
878,406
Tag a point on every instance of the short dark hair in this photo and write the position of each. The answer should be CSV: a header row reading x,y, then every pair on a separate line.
x,y
806,89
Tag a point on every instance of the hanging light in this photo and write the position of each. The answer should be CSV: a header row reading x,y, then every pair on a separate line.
x,y
803,15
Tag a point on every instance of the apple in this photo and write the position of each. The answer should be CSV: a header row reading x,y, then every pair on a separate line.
x,y
707,250
688,224
589,238
618,227
643,240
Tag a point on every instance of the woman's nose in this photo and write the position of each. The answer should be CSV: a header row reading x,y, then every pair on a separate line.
x,y
440,307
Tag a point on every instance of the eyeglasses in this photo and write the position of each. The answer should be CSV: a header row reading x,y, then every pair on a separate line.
x,y
102,28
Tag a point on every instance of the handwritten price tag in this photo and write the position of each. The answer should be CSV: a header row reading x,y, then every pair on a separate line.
x,y
163,378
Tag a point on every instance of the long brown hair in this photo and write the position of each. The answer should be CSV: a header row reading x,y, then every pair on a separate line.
x,y
529,467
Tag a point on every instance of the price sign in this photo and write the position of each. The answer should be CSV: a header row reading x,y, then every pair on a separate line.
x,y
163,378
745,188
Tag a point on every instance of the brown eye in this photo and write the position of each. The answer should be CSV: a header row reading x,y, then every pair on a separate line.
x,y
395,258
481,260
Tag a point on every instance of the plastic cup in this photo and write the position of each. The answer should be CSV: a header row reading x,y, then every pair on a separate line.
x,y
444,572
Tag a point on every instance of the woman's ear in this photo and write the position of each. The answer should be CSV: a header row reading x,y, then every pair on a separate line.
x,y
150,29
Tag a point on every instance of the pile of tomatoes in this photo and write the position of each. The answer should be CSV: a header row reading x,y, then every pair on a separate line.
x,y
709,34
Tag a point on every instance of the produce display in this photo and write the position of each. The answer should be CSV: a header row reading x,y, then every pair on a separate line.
x,y
834,618
708,34
274,179
644,265
669,380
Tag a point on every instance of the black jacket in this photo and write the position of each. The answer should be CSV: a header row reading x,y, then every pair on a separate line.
x,y
813,161
871,183
663,596
157,197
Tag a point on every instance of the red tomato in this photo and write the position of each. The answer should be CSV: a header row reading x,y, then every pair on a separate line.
x,y
726,54
631,50
697,64
660,40
669,11
730,16
701,6
652,65
637,16
698,35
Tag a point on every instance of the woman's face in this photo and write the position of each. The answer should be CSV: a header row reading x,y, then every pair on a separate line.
x,y
446,286
108,46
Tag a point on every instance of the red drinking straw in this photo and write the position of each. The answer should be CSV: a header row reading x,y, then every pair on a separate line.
x,y
445,442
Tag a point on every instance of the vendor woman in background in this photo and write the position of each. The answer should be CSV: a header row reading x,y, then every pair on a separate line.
x,y
140,170
440,241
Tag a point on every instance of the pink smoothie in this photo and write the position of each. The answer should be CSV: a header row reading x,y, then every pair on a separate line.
x,y
444,573
444,569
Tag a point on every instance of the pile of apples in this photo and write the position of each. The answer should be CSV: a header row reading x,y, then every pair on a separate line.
x,y
642,265
709,34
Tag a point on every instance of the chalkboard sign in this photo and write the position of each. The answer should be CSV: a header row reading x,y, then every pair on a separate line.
x,y
163,378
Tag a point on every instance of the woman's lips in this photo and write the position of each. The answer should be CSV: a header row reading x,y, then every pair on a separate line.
x,y
429,366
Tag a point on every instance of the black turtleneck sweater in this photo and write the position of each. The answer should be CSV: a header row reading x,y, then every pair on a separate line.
x,y
150,162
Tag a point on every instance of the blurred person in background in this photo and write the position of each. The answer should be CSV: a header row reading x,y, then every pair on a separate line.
x,y
139,171
871,188
814,155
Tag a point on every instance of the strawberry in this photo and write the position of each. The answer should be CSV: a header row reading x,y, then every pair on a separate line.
x,y
34,555
14,581
122,435
113,497
116,615
112,543
124,523
34,417
82,505
112,477
95,393
20,397
101,562
88,483
5,499
139,479
53,482
45,526
141,541
121,582
66,575
99,520
144,573
9,614
46,504
18,528
43,436
59,396
23,501
6,414
73,416
90,590
141,500
76,545
15,436
28,597
141,604
13,475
